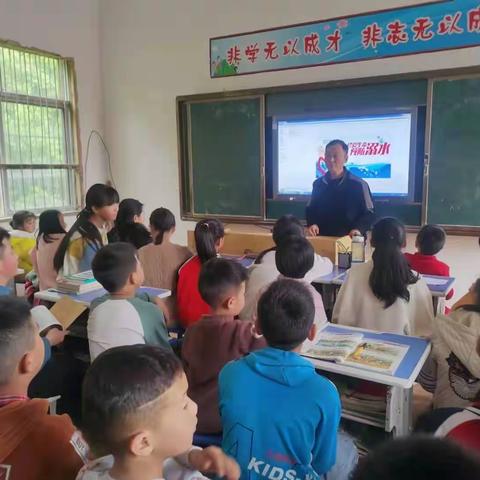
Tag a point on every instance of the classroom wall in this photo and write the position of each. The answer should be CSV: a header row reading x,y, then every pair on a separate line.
x,y
159,49
69,28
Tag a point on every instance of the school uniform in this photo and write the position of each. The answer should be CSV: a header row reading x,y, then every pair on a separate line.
x,y
207,347
452,371
35,445
160,265
357,306
190,304
116,322
429,265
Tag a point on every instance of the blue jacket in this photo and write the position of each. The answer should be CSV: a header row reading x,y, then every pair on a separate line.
x,y
280,418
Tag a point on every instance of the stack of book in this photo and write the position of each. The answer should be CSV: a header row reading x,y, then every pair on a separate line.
x,y
78,283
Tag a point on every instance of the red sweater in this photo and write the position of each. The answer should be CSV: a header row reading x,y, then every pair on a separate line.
x,y
190,305
429,265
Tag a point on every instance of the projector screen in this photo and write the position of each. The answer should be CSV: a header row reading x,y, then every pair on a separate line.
x,y
379,152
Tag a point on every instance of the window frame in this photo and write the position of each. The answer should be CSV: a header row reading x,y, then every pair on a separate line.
x,y
73,165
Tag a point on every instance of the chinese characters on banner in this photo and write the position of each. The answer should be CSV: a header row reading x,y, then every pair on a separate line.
x,y
441,25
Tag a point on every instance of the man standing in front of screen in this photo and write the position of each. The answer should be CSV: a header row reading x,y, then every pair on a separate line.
x,y
341,203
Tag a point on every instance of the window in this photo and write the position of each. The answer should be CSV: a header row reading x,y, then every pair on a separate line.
x,y
39,168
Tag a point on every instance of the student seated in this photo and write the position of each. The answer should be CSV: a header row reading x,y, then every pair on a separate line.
x,y
123,316
418,458
265,270
208,242
139,421
162,258
89,232
277,412
216,338
22,237
8,270
430,241
452,371
384,294
294,258
33,444
51,230
129,225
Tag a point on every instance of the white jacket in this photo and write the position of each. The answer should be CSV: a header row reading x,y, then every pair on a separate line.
x,y
173,469
263,274
452,371
357,306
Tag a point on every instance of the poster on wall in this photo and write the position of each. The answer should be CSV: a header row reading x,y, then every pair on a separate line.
x,y
442,25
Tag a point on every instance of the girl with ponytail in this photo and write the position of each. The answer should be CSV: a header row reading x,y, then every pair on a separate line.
x,y
89,233
209,235
162,258
384,293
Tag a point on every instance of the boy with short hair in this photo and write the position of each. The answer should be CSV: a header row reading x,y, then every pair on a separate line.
x,y
217,338
123,316
138,419
280,418
33,444
294,258
430,241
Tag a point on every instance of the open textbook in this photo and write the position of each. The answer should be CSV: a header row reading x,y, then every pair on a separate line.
x,y
357,351
61,315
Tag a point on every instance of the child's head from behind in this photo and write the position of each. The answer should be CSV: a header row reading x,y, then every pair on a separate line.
x,y
430,239
222,285
209,235
116,268
418,458
135,404
287,226
294,257
162,222
8,258
50,222
24,220
21,348
102,200
391,275
285,314
130,211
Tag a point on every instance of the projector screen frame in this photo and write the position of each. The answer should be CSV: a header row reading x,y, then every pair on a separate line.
x,y
328,115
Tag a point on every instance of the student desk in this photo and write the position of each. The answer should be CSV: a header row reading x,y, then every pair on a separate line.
x,y
438,286
52,295
398,414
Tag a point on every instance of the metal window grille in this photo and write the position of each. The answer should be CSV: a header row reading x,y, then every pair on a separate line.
x,y
38,165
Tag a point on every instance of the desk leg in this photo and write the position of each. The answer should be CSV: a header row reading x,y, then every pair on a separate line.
x,y
399,411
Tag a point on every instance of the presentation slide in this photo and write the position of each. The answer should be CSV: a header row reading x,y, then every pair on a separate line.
x,y
379,152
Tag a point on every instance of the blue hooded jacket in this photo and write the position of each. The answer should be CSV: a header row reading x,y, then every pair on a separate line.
x,y
280,418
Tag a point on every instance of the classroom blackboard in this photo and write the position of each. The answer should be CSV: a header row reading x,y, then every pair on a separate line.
x,y
226,157
454,167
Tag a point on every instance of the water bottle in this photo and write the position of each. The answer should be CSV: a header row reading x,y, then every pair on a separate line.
x,y
358,249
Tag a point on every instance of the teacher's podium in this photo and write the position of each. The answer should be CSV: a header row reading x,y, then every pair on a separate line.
x,y
243,240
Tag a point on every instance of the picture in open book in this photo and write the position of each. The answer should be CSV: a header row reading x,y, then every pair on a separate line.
x,y
357,351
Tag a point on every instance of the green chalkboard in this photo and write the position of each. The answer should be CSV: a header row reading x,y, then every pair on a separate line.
x,y
226,157
454,171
